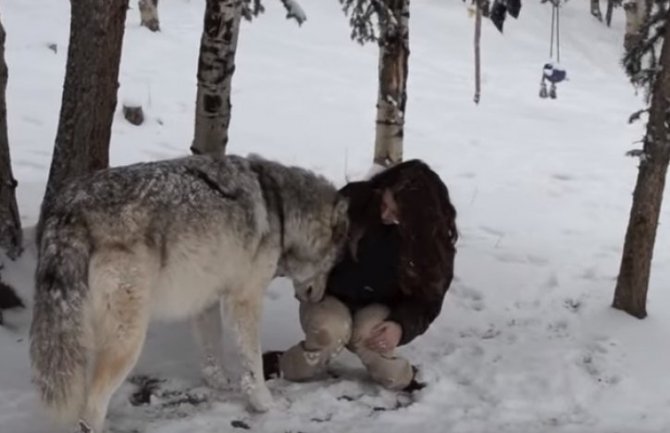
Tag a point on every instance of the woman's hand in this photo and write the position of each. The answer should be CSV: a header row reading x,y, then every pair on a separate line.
x,y
384,337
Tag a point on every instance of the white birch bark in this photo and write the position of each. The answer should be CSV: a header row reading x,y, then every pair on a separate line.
x,y
392,95
216,66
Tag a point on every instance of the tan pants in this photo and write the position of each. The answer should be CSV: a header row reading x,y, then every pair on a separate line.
x,y
329,327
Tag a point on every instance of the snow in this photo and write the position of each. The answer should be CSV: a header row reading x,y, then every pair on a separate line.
x,y
294,10
526,341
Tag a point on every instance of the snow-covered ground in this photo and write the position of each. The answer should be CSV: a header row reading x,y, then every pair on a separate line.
x,y
526,342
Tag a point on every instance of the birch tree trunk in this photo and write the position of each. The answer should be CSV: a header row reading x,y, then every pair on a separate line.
x,y
633,281
637,12
149,14
90,90
10,223
392,95
216,65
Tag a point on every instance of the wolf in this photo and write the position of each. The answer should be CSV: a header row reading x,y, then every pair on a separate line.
x,y
168,240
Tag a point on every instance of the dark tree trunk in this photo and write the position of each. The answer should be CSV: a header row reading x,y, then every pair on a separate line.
x,y
216,66
10,223
89,92
633,281
595,9
392,95
149,14
610,11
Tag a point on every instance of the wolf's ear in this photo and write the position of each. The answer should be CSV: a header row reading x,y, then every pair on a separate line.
x,y
255,157
340,219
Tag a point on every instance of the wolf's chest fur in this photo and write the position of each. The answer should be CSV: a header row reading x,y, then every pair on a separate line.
x,y
199,272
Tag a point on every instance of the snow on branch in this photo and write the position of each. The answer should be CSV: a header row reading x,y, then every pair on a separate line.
x,y
637,115
641,60
364,15
251,9
295,11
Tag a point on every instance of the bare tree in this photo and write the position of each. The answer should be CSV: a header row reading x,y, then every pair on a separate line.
x,y
647,70
392,93
595,9
10,223
216,66
149,14
387,23
611,4
90,90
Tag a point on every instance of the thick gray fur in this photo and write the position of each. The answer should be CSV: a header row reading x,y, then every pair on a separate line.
x,y
109,243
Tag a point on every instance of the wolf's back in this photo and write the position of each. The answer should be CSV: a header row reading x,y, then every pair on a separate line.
x,y
58,349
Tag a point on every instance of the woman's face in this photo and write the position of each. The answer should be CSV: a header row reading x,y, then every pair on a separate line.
x,y
389,208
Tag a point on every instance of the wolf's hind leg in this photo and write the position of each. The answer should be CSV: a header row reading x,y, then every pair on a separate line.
x,y
121,284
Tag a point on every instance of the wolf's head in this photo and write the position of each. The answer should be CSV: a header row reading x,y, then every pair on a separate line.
x,y
315,249
314,219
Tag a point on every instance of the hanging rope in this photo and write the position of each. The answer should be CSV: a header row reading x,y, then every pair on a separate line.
x,y
555,27
551,71
478,35
553,20
558,34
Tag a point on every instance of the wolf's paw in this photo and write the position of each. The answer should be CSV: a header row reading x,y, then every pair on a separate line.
x,y
83,427
215,378
261,400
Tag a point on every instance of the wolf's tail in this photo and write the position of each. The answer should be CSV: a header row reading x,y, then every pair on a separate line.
x,y
59,344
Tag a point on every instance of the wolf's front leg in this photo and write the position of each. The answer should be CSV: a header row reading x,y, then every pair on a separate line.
x,y
207,328
243,311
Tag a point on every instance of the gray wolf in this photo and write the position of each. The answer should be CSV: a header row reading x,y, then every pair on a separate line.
x,y
169,240
391,282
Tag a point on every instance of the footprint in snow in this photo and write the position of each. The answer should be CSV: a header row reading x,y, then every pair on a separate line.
x,y
552,281
469,297
492,231
559,329
595,360
562,177
573,305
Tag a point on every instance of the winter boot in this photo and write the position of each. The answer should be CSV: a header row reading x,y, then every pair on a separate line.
x,y
271,368
416,384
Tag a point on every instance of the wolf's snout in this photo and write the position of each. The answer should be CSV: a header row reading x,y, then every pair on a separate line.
x,y
309,294
306,294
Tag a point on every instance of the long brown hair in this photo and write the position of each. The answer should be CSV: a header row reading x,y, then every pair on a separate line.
x,y
427,225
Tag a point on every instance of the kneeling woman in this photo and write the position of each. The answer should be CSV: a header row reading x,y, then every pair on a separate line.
x,y
390,284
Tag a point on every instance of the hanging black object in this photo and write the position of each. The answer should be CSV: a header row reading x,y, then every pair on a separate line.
x,y
501,8
552,71
498,13
513,8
